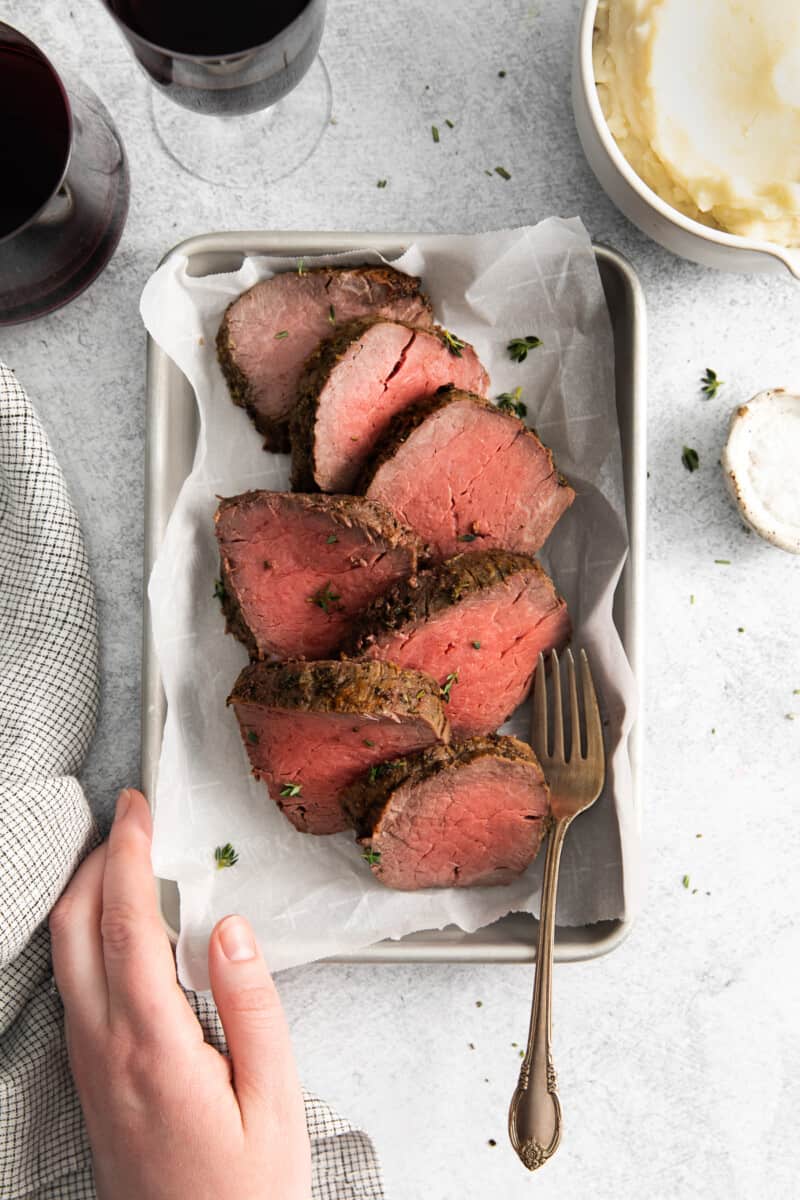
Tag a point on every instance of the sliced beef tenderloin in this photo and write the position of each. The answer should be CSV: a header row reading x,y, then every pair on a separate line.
x,y
357,381
466,815
477,624
310,729
296,569
268,332
467,476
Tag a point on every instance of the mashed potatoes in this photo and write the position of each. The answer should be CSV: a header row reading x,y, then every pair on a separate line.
x,y
703,99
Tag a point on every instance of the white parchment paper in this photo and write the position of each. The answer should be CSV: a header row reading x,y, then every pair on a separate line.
x,y
308,897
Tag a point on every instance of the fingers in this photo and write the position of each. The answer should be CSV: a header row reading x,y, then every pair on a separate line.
x,y
140,970
75,940
264,1074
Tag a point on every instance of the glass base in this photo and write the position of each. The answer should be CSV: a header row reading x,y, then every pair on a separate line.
x,y
256,149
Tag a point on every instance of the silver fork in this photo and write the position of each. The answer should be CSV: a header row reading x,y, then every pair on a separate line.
x,y
534,1118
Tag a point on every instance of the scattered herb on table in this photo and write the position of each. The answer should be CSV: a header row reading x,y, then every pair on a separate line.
x,y
714,729
796,691
434,133
292,789
284,333
225,856
487,172
502,172
691,598
686,881
330,539
740,629
710,384
476,645
722,562
326,599
492,1142
371,856
219,591
791,716
697,835
690,458
511,402
479,1004
448,686
518,347
501,74
450,124
454,344
381,183
252,737
332,315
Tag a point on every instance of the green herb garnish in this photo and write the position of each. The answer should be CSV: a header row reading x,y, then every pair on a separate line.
x,y
511,402
501,74
709,384
447,687
326,599
252,737
479,1004
284,333
518,347
219,591
292,789
368,742
690,458
453,343
467,537
722,562
381,183
332,315
330,539
502,172
301,267
686,881
476,645
225,856
449,124
371,856
434,133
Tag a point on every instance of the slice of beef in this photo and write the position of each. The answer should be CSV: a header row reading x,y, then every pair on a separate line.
x,y
310,729
467,475
476,623
296,569
357,381
268,332
466,815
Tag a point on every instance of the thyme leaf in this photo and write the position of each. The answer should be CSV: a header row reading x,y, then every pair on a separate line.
x,y
219,591
381,183
434,133
371,856
690,458
511,402
284,333
502,172
453,343
447,687
710,384
292,789
326,599
225,856
518,347
252,737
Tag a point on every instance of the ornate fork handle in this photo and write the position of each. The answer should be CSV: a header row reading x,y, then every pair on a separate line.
x,y
534,1118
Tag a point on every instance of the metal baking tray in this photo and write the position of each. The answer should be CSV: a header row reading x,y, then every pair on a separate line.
x,y
171,439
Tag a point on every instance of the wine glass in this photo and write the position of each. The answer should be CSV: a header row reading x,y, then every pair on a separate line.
x,y
63,183
240,94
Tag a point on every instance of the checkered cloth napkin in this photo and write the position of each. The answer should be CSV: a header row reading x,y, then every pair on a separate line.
x,y
48,702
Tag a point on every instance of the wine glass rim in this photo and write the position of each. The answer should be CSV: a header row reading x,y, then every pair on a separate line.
x,y
182,55
5,28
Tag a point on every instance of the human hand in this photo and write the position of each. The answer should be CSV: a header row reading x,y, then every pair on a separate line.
x,y
168,1116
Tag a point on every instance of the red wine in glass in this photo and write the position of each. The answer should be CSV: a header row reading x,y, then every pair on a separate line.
x,y
255,62
63,183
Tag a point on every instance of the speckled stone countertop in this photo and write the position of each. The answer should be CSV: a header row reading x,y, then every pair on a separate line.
x,y
678,1055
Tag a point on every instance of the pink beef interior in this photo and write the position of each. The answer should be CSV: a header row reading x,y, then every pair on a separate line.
x,y
300,305
470,470
480,824
512,623
322,753
297,589
388,368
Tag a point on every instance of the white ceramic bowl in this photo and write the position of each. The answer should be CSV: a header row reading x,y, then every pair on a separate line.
x,y
639,203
